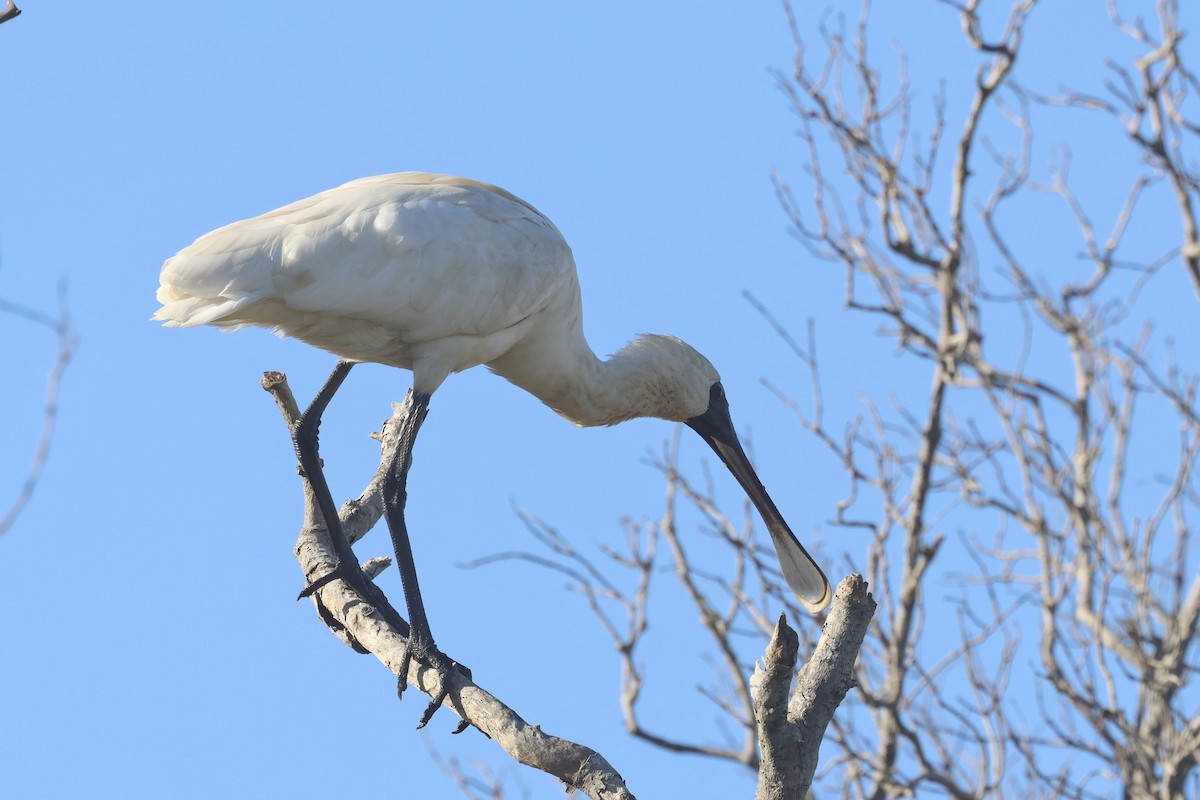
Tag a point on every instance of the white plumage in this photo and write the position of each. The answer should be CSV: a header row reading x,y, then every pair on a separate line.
x,y
438,274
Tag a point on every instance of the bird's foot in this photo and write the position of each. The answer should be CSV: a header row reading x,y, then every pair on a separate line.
x,y
426,653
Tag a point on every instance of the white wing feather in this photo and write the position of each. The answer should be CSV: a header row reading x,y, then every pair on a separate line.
x,y
375,266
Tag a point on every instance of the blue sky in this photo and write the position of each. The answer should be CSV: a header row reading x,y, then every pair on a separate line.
x,y
149,642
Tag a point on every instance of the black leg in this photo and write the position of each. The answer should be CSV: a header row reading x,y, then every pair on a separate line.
x,y
419,640
395,494
305,439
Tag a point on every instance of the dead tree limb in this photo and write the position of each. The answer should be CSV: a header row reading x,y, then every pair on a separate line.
x,y
790,732
360,625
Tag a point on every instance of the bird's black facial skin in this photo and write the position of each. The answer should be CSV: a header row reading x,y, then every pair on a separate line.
x,y
715,424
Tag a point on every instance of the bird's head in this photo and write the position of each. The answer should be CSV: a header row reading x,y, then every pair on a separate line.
x,y
673,381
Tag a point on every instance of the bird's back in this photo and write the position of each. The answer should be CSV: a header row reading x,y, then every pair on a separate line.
x,y
376,267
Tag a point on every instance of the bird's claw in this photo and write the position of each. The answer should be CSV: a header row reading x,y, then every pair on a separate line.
x,y
431,709
428,654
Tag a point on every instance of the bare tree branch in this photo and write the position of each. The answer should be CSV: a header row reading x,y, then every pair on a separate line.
x,y
1038,438
68,340
791,732
733,609
363,627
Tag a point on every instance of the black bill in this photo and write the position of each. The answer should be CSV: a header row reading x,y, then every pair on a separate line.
x,y
802,574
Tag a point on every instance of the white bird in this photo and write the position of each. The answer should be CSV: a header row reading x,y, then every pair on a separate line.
x,y
437,274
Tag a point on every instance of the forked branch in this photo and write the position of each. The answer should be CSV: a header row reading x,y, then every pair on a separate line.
x,y
790,732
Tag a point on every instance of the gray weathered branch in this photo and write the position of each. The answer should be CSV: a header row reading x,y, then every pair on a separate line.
x,y
790,732
362,627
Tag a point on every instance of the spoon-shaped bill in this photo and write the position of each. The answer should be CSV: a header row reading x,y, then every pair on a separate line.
x,y
802,574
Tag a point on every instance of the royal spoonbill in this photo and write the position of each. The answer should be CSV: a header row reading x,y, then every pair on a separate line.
x,y
437,274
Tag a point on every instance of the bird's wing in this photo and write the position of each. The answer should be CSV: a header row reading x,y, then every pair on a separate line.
x,y
420,255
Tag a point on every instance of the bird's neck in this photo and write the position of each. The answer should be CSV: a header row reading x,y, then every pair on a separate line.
x,y
589,391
